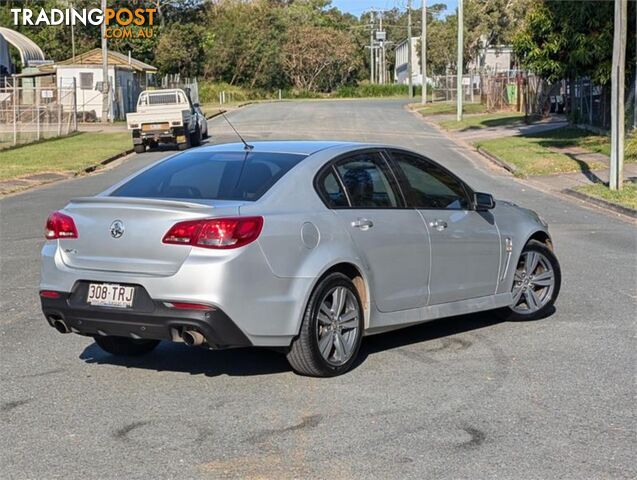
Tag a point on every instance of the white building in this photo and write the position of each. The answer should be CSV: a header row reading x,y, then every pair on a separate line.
x,y
401,66
493,59
127,77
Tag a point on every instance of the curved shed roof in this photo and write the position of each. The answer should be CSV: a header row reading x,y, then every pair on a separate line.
x,y
28,49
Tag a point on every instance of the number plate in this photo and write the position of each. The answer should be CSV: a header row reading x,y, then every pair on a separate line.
x,y
155,126
110,295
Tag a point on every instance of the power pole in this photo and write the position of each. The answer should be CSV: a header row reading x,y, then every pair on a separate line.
x,y
381,51
105,88
460,57
73,38
617,96
371,50
409,59
423,51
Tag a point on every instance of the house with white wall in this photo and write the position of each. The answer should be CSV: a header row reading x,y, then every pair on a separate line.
x,y
127,77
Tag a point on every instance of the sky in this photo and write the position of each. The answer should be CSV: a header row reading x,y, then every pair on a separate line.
x,y
357,7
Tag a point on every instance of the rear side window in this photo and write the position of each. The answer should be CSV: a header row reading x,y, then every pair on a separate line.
x,y
366,178
211,176
331,190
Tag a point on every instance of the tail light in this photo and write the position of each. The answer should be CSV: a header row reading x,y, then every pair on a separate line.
x,y
221,233
59,225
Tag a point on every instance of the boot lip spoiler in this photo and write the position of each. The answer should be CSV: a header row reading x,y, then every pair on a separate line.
x,y
148,201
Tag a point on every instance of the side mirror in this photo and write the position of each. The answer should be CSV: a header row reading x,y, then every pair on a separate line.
x,y
483,201
196,105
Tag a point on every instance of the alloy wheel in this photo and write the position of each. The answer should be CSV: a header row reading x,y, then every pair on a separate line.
x,y
533,283
337,326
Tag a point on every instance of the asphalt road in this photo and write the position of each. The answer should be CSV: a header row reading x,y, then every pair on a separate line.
x,y
466,397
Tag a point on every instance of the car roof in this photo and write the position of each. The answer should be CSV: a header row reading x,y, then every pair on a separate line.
x,y
303,147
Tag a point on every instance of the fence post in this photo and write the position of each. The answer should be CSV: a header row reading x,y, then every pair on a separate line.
x,y
74,104
280,94
38,94
59,119
15,106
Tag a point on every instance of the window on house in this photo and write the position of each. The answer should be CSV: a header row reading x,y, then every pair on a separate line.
x,y
86,81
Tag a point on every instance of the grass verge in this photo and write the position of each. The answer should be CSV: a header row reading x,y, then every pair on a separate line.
x,y
477,122
63,154
550,152
626,197
447,108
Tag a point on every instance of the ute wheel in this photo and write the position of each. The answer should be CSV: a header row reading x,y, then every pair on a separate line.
x,y
536,283
195,138
139,148
331,330
128,347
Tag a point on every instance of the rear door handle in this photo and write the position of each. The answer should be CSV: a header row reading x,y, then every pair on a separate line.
x,y
363,224
438,224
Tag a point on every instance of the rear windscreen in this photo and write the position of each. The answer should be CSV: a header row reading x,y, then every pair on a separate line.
x,y
211,176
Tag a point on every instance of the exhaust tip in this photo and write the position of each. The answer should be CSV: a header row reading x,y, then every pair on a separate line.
x,y
61,327
193,338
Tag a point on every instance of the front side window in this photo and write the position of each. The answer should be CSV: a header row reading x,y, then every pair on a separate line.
x,y
211,176
366,179
428,185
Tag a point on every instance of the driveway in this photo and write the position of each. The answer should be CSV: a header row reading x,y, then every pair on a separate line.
x,y
465,397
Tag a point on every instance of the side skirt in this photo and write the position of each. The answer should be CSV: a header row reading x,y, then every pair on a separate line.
x,y
385,322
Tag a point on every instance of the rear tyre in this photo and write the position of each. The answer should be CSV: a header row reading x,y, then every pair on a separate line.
x,y
127,347
536,283
331,330
195,139
139,148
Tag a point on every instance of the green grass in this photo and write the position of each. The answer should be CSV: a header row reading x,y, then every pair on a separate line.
x,y
541,154
476,122
626,197
444,108
65,154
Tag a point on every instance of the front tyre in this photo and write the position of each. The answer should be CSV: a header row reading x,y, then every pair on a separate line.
x,y
331,330
127,347
536,283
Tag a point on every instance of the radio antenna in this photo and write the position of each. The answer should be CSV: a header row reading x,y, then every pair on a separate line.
x,y
246,146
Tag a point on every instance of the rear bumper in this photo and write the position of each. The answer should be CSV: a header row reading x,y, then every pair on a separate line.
x,y
150,320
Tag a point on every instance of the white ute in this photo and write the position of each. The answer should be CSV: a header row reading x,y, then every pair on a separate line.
x,y
164,116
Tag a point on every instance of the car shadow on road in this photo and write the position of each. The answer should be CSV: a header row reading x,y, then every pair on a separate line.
x,y
176,357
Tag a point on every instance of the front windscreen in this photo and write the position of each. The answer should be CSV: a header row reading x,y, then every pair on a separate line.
x,y
211,176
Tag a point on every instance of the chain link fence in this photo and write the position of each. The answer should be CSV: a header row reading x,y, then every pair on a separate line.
x,y
29,114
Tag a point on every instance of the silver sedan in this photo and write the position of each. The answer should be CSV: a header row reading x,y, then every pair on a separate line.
x,y
305,247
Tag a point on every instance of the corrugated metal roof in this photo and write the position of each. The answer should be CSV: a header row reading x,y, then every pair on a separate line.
x,y
94,57
28,49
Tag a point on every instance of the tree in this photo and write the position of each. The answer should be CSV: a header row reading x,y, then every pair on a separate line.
x,y
244,43
567,39
318,58
180,49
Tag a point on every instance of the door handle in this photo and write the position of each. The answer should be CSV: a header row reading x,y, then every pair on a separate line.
x,y
438,224
363,224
